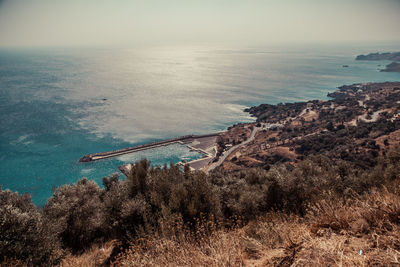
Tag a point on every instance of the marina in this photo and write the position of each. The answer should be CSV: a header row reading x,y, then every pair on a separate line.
x,y
203,144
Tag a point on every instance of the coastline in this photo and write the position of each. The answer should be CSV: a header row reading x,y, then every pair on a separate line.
x,y
343,127
51,151
223,148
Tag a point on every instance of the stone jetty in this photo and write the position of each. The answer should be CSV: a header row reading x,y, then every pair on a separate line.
x,y
109,154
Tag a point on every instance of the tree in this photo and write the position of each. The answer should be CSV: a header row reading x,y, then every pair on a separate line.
x,y
137,177
23,232
75,214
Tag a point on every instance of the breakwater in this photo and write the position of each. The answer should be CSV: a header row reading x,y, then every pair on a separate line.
x,y
109,154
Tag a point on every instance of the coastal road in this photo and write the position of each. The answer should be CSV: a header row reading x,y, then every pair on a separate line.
x,y
229,151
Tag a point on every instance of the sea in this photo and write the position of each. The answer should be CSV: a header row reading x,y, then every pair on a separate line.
x,y
59,104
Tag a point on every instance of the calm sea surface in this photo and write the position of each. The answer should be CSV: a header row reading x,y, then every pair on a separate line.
x,y
57,105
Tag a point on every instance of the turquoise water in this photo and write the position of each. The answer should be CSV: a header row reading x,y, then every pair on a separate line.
x,y
57,105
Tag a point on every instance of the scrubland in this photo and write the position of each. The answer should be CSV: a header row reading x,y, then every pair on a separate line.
x,y
322,212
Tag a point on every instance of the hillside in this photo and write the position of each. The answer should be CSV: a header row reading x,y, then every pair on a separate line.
x,y
320,213
360,232
360,122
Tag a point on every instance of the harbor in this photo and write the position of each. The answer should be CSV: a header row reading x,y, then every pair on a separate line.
x,y
203,144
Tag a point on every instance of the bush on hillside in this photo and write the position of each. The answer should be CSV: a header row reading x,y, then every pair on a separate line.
x,y
150,195
83,214
75,213
24,234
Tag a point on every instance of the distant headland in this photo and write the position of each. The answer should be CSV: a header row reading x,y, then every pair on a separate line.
x,y
380,56
392,67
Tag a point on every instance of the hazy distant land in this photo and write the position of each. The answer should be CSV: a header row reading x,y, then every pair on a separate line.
x,y
395,56
392,67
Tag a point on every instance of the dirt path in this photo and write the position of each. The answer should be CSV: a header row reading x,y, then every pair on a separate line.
x,y
374,117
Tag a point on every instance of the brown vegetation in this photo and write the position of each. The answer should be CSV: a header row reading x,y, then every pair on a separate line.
x,y
359,230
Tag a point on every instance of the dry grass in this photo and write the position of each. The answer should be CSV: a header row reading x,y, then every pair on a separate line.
x,y
221,249
361,231
177,246
393,139
96,256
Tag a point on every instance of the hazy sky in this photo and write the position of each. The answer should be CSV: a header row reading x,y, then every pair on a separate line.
x,y
141,22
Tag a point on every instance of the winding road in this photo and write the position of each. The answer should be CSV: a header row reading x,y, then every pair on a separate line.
x,y
233,148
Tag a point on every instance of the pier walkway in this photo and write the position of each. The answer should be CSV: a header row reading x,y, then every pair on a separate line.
x,y
180,140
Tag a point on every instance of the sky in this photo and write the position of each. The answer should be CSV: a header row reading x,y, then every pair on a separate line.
x,y
160,22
